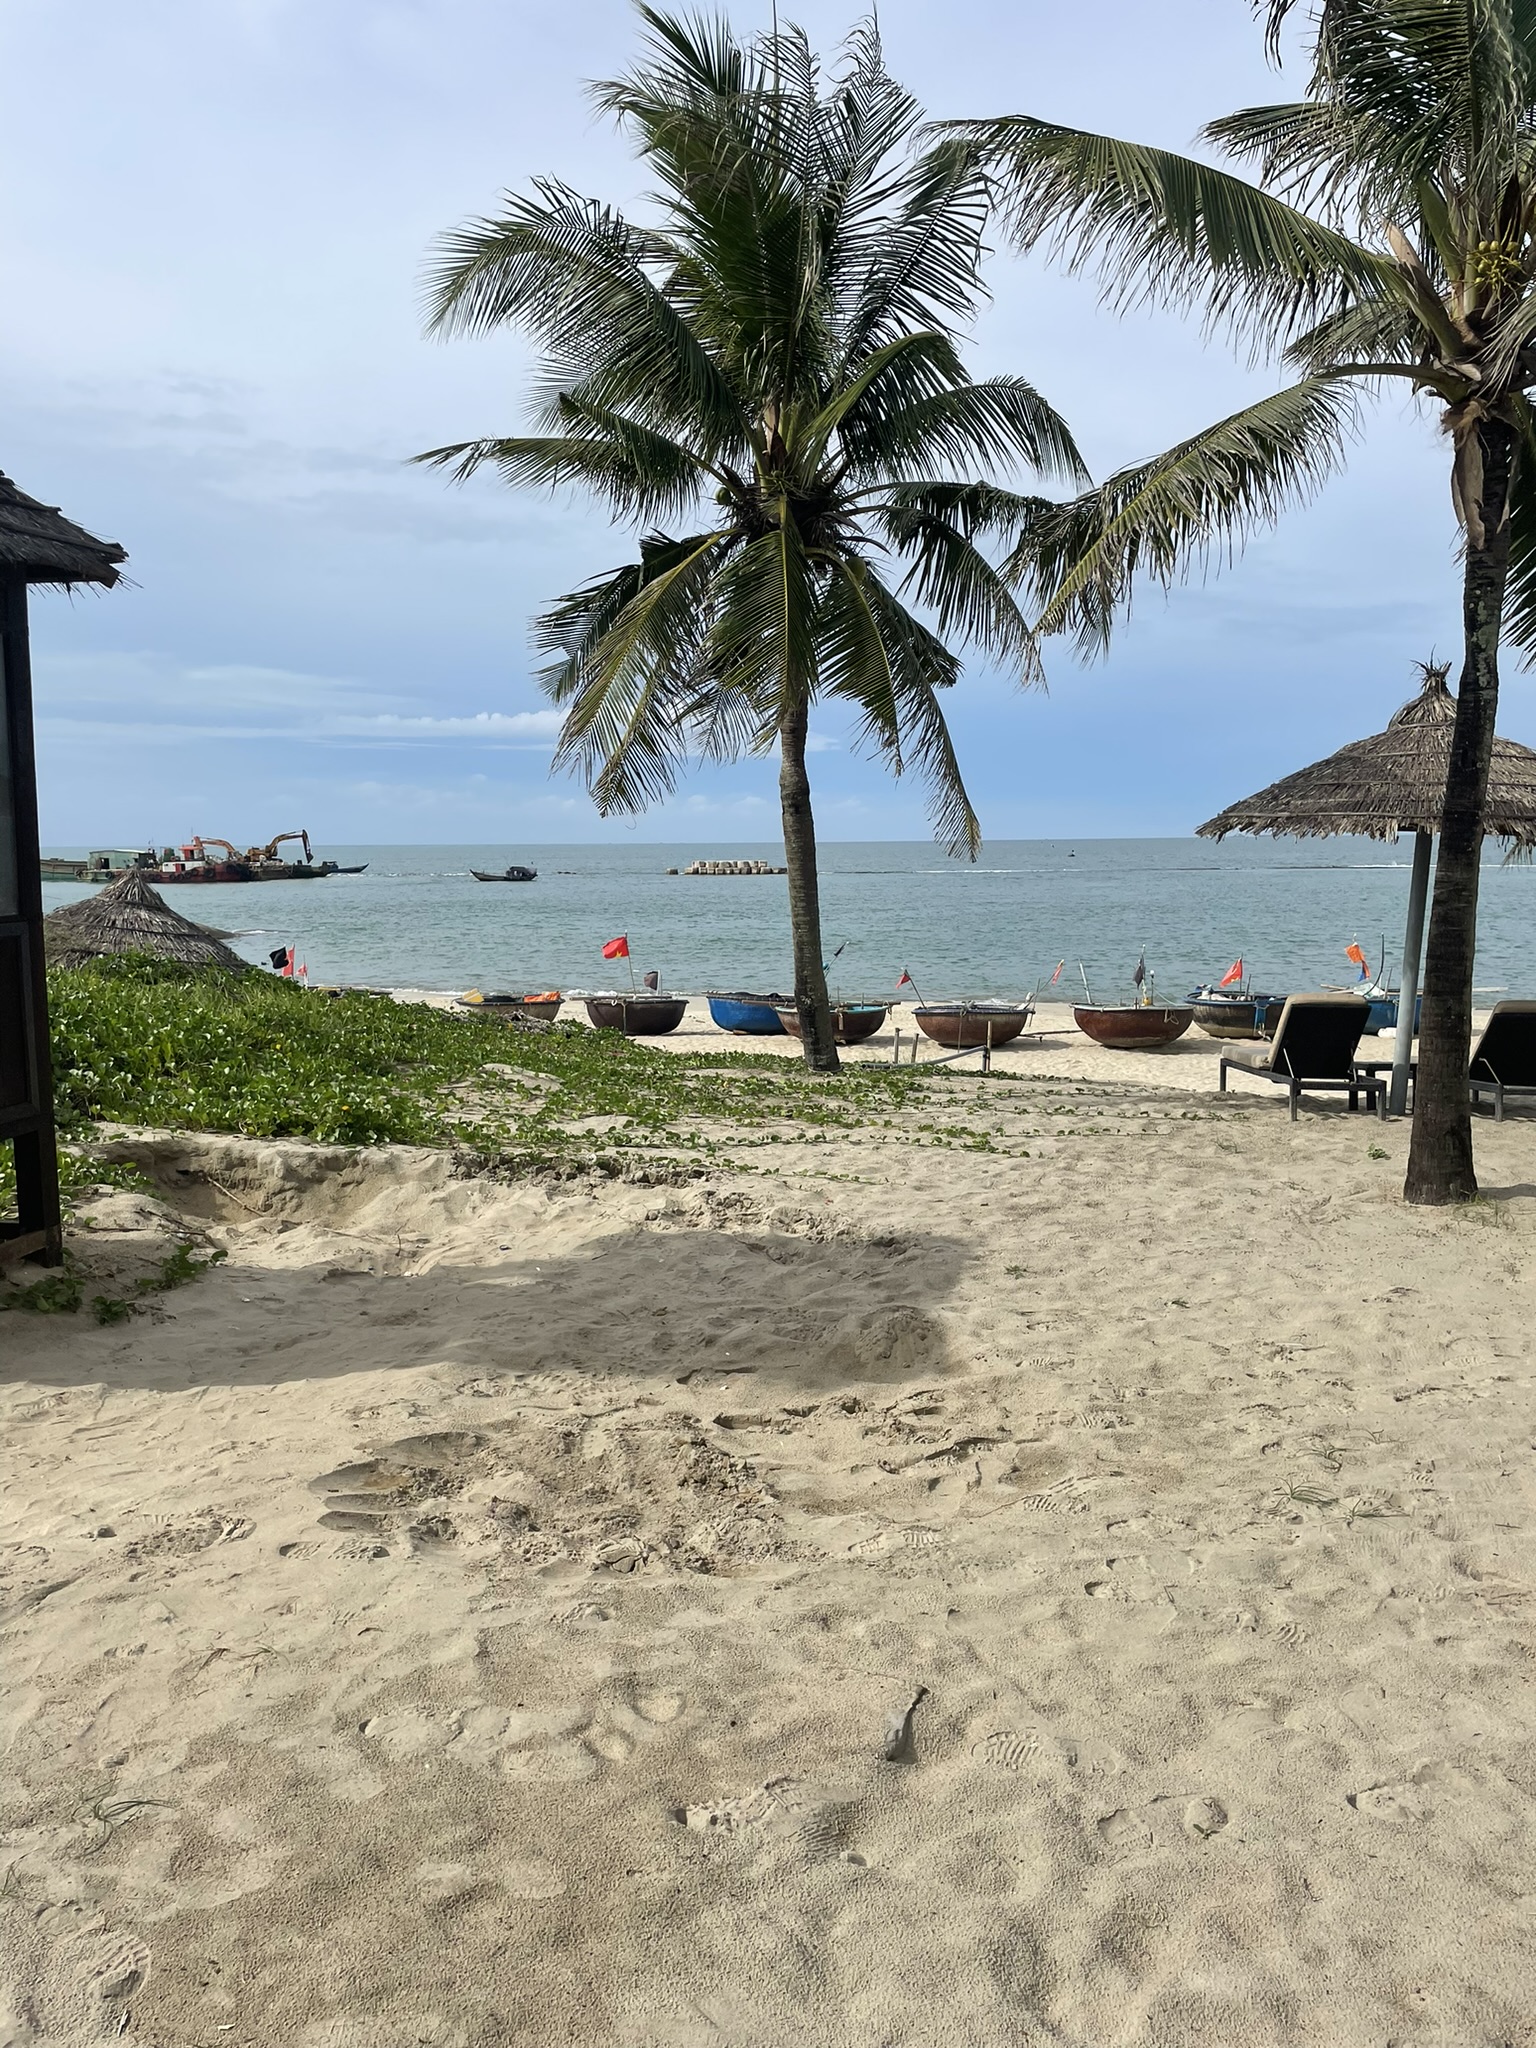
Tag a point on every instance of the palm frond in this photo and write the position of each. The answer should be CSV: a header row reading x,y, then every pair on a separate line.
x,y
1170,230
761,650
627,681
572,274
1166,518
1382,329
920,267
1520,591
920,667
997,424
643,475
950,575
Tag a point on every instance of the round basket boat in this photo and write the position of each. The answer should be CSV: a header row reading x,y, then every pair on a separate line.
x,y
750,1016
851,1022
1134,1027
1222,1016
637,1016
545,1006
965,1026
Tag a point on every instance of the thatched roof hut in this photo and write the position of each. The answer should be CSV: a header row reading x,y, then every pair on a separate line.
x,y
129,916
40,545
1390,783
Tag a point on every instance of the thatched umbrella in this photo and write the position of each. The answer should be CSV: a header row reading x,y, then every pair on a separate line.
x,y
129,916
37,545
1391,783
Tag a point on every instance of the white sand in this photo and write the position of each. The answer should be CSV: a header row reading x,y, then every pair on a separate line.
x,y
927,1596
1052,1048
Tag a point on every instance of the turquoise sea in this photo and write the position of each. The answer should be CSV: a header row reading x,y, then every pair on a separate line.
x,y
1289,908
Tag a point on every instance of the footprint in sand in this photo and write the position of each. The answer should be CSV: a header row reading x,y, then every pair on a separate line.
x,y
114,1967
1007,1751
583,1615
1065,1497
1123,1832
780,1809
1400,1806
1127,1831
1204,1818
886,1540
1038,1750
620,1729
186,1535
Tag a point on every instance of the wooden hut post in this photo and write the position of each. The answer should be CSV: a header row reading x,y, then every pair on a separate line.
x,y
26,1072
37,545
1408,980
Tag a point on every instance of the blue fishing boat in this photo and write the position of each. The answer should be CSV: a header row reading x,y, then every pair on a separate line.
x,y
1383,1010
751,1016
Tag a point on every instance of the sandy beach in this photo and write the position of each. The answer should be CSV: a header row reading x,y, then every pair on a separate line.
x,y
1051,1566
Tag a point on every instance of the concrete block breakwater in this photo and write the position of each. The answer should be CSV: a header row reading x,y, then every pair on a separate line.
x,y
730,867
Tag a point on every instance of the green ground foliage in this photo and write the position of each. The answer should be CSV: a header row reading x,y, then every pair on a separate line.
x,y
146,1042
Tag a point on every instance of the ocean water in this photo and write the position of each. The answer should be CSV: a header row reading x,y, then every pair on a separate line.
x,y
418,919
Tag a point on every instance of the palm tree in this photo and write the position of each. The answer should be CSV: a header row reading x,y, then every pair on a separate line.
x,y
1390,235
770,367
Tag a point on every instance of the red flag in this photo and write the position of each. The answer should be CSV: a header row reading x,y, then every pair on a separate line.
x,y
905,980
617,949
1057,975
1233,973
1352,952
287,967
303,971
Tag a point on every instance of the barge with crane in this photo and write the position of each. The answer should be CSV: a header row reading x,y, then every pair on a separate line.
x,y
205,860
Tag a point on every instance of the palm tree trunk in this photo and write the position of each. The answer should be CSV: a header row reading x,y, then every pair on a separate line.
x,y
816,1037
1440,1155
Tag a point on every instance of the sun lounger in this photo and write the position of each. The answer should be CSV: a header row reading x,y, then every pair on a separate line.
x,y
1313,1052
1503,1060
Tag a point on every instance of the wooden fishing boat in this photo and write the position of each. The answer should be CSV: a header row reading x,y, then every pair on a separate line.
x,y
647,1016
513,874
750,1016
852,1023
965,1026
499,1004
1134,1027
1235,1016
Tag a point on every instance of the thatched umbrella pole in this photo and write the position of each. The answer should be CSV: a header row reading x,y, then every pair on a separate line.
x,y
1408,978
1381,787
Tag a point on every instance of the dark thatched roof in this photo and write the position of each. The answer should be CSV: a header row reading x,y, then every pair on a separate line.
x,y
130,917
1393,782
41,546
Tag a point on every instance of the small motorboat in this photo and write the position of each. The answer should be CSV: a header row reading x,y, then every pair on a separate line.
x,y
637,1016
1238,1015
329,867
1134,1027
500,1004
965,1026
750,1016
513,874
852,1023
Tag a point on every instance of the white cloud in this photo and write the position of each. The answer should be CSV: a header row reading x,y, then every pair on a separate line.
x,y
497,725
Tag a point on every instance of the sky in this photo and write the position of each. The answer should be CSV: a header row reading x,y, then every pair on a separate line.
x,y
213,226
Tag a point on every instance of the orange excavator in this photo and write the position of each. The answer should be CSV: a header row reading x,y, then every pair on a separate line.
x,y
256,854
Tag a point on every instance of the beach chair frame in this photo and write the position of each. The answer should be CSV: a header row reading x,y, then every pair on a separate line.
x,y
1277,1067
1487,1050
